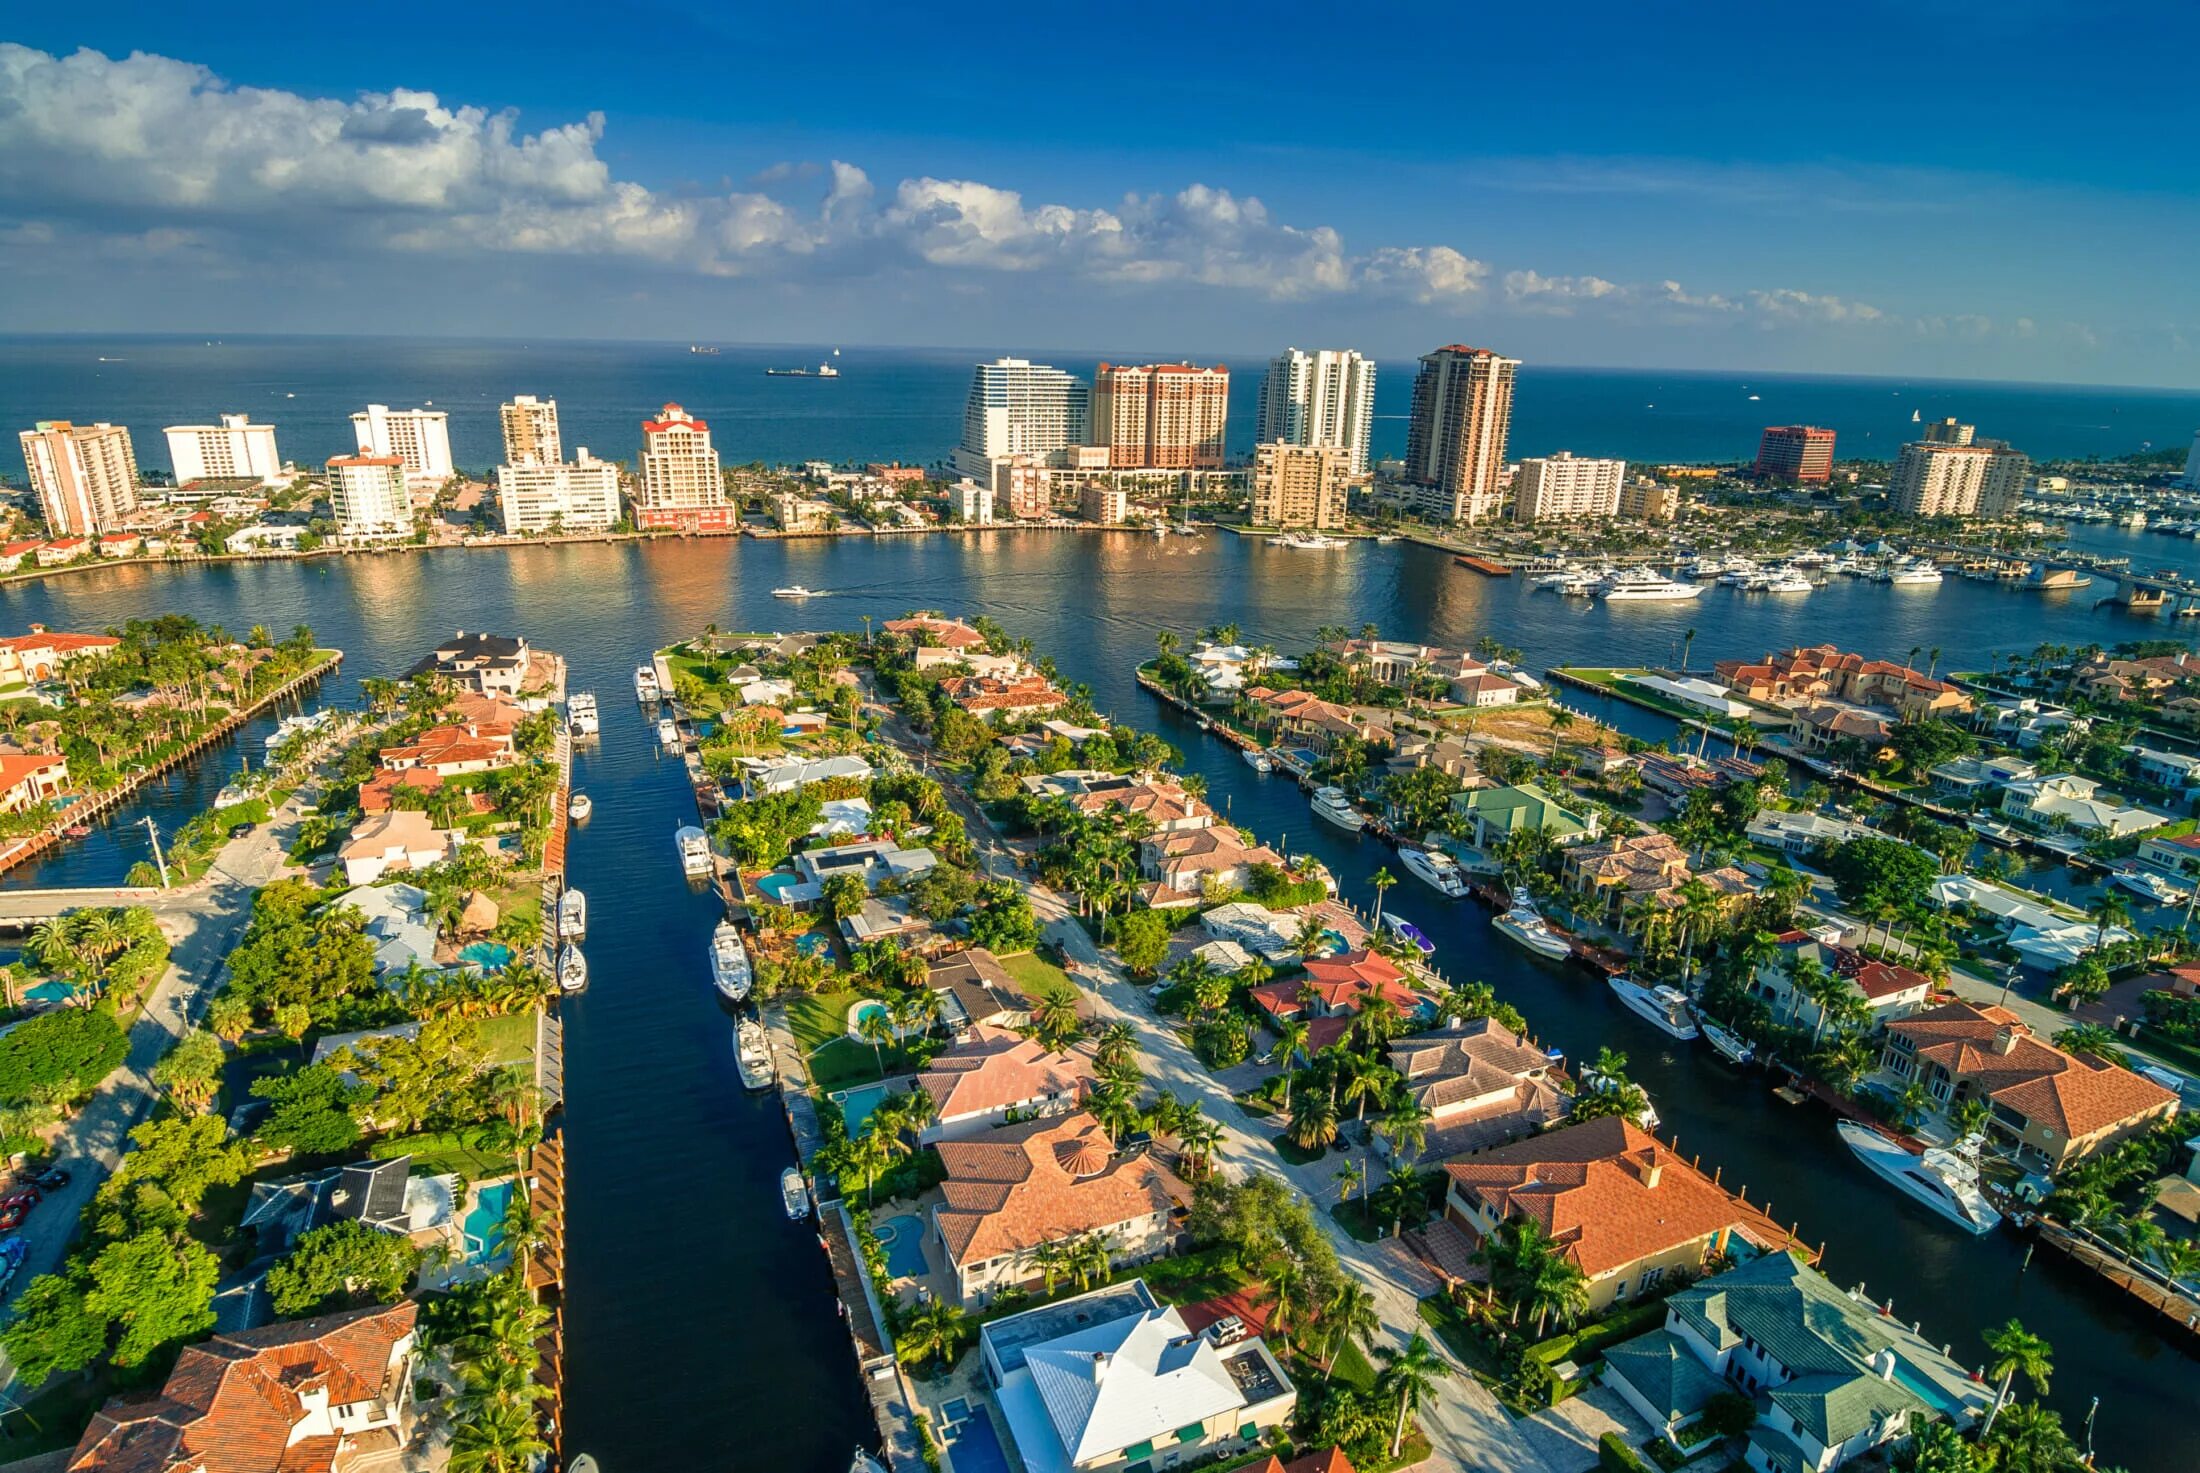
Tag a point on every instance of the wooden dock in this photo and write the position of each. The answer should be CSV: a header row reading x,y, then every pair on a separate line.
x,y
2148,1285
1482,565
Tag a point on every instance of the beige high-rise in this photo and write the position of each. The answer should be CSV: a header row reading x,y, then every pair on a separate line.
x,y
531,431
1939,478
1165,416
1560,487
1455,445
1300,485
679,470
86,476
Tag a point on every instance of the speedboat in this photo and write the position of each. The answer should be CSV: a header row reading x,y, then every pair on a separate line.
x,y
667,733
1436,868
645,683
1384,539
729,963
1944,1178
794,590
1305,542
1731,1046
1665,1007
753,1054
572,915
793,1194
694,847
572,969
580,713
295,726
1604,1084
1524,926
1405,930
2151,885
1915,574
1258,760
1332,804
579,807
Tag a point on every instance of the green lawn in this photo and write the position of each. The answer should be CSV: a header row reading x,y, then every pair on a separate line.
x,y
1039,977
458,1152
508,1040
819,1022
1297,1155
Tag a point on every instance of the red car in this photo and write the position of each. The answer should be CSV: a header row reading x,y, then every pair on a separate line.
x,y
12,1214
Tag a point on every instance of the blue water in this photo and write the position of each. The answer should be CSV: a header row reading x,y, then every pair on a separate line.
x,y
903,1238
861,1011
857,1104
483,1225
490,956
50,991
976,1448
776,885
1926,1389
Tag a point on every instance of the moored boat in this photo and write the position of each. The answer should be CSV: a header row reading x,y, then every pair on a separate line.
x,y
645,683
794,1195
667,734
581,716
1333,805
694,847
579,806
572,969
1436,869
729,963
2154,887
1405,930
1664,1007
1944,1178
572,915
1730,1046
1524,926
1258,760
753,1054
1604,1084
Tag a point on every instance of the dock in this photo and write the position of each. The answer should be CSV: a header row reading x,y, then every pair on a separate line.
x,y
2142,1282
1482,565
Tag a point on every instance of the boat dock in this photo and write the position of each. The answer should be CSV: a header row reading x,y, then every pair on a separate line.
x,y
1482,565
2148,1285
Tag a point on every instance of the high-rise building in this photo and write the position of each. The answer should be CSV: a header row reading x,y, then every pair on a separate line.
x,y
550,496
679,485
1103,503
235,449
531,431
1162,416
1564,487
1649,501
2002,485
1325,397
1949,432
1017,407
1795,453
1300,485
1939,479
86,476
1455,445
421,438
1024,485
367,496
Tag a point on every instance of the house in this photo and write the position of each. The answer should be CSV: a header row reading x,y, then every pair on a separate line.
x,y
998,1075
489,664
309,1396
398,923
1015,1188
1832,1376
1817,727
384,1195
13,553
1809,673
2053,1108
1970,777
2177,771
451,751
2177,856
1890,991
1799,833
1114,1379
1497,812
1271,936
28,659
387,843
378,794
1693,692
1481,1084
28,779
870,860
925,629
62,550
1306,717
976,991
1396,662
2066,800
760,776
1484,689
1186,861
988,696
1332,991
1622,1207
120,544
883,918
1161,801
1610,874
976,661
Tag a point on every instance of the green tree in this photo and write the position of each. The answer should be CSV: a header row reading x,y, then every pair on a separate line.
x,y
1409,1377
184,1158
1142,941
1871,872
191,1071
934,1330
843,896
53,1330
69,1050
157,1287
2016,1351
1055,1020
314,1111
342,1265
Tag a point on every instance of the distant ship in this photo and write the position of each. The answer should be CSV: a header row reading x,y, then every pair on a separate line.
x,y
699,348
823,370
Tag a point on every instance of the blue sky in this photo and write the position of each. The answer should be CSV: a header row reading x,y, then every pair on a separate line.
x,y
1921,188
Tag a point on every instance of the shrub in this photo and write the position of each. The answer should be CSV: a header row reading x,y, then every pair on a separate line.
x,y
71,1048
1615,1456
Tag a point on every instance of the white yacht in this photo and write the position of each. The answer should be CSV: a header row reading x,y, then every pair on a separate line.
x,y
667,733
694,847
794,1195
580,714
2154,887
1524,926
572,915
1309,542
1640,585
1436,868
1731,1047
1786,580
645,683
572,969
1665,1007
1405,930
1566,580
1944,1178
1258,760
292,726
579,807
729,963
794,590
1603,1084
753,1053
1332,804
1915,573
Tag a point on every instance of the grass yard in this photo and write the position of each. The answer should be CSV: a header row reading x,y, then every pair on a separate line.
x,y
458,1152
508,1040
1297,1155
819,1022
1039,977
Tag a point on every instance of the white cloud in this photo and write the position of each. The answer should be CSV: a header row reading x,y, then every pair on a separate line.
x,y
1787,304
1427,275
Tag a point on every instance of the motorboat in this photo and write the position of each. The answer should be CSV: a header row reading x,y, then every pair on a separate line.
x,y
1944,1178
794,1194
729,963
645,683
794,590
1987,828
2147,883
1258,760
572,969
1309,542
1731,1046
572,915
1385,539
1332,804
753,1054
1437,869
1604,1084
297,726
1525,927
1915,574
694,847
1787,581
579,806
1664,1006
581,717
1307,867
1640,585
1405,930
667,734
865,1463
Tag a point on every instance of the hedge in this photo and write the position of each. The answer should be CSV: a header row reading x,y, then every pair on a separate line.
x,y
1615,1456
1590,1340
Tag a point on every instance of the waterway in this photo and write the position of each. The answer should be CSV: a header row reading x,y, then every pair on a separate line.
x,y
702,1331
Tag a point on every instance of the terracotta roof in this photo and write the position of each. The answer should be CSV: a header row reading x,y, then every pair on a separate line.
x,y
1207,851
1328,1460
1008,1191
1342,983
1607,1192
1464,1063
2072,1095
998,1068
990,693
950,632
17,767
1161,801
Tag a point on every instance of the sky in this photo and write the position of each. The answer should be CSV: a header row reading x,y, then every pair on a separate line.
x,y
1923,188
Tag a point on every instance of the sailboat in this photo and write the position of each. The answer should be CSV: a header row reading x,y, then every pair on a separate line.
x,y
1915,417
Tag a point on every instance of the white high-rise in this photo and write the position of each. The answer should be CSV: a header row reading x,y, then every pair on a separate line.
x,y
679,484
85,475
421,438
1564,487
367,497
531,431
1325,397
232,450
537,496
1017,407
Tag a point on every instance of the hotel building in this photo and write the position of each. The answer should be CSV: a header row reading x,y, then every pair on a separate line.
x,y
531,431
234,450
1561,487
86,476
680,485
1300,485
367,496
1017,407
1455,445
554,497
1326,397
1795,453
1950,473
421,438
1162,416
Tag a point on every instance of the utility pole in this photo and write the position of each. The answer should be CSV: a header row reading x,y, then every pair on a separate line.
x,y
153,833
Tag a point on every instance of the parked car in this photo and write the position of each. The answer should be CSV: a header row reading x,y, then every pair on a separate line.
x,y
239,830
1228,1330
13,1211
49,1179
12,1253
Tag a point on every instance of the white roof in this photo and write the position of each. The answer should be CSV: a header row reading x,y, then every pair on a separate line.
x,y
1128,1381
1996,901
801,773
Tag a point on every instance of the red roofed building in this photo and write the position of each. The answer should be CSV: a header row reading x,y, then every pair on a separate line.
x,y
311,1396
975,1084
30,778
987,696
2056,1108
1302,713
924,629
678,484
449,751
1328,1460
1338,986
40,654
1164,804
1186,861
1812,671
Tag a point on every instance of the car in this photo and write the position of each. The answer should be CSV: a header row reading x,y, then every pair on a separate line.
x,y
28,1196
12,1215
1228,1330
50,1179
239,830
12,1253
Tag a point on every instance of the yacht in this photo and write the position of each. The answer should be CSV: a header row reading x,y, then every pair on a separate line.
x,y
645,683
1437,869
572,915
1914,574
1566,581
1258,760
1944,1178
753,1053
729,963
1405,930
2147,883
572,969
1524,926
1640,585
694,847
793,1194
1731,1046
1786,580
580,807
291,726
667,733
580,714
1309,542
794,590
1665,1007
1603,1084
1385,539
1332,804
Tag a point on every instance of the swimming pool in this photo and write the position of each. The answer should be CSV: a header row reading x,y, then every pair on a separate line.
x,y
1333,942
903,1238
857,1104
490,956
813,944
775,886
54,990
1927,1390
864,1009
483,1226
974,1447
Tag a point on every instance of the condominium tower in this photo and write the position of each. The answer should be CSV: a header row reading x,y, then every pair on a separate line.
x,y
679,484
1795,453
1951,474
1562,487
1017,407
236,449
551,496
1455,444
1321,398
1162,416
367,496
421,438
1300,485
531,431
86,476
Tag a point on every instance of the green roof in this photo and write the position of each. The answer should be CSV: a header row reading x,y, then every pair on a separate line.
x,y
1665,1373
1781,1454
1521,806
1833,1409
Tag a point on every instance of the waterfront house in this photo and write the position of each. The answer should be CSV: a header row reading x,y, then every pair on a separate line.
x,y
1332,990
1265,933
1484,689
1692,691
1625,1209
2183,711
1799,833
976,991
2177,856
883,918
1971,777
1397,662
310,1396
1157,798
488,664
30,778
1481,1084
383,1195
2066,800
1817,727
1497,812
388,843
28,659
1809,673
1831,1375
873,861
761,776
926,629
1114,1379
2177,771
13,553
1014,1188
452,751
1186,861
120,544
62,550
1305,717
975,661
1890,991
988,697
2052,1108
997,1076
397,922
1611,874
2105,677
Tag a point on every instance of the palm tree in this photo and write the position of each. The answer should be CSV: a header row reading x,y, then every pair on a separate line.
x,y
1313,1122
1350,1314
875,1026
1372,1083
2109,910
1308,938
1405,1127
932,1330
1116,1047
1381,880
2015,1350
497,1437
1196,1139
1352,1177
1051,1259
1410,1375
1115,1105
2090,1038
1054,1020
1091,1257
1471,1000
1291,1037
1688,644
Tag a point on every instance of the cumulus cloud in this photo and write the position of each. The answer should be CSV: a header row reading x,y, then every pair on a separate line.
x,y
1790,305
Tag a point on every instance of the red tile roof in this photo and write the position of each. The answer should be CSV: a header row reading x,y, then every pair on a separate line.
x,y
2073,1095
997,1068
1008,1191
952,633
